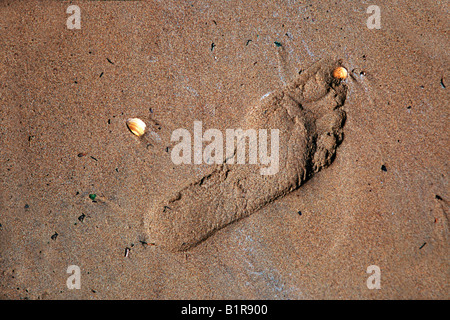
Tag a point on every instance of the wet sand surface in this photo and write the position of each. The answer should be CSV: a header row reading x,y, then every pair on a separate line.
x,y
66,94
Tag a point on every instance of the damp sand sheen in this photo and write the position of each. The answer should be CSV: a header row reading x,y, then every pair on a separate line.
x,y
308,113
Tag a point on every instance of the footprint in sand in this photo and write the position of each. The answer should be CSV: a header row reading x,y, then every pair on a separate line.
x,y
308,113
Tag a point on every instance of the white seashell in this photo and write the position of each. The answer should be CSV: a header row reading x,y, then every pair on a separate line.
x,y
136,126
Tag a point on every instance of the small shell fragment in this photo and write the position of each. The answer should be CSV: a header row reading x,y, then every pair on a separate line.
x,y
136,126
340,73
